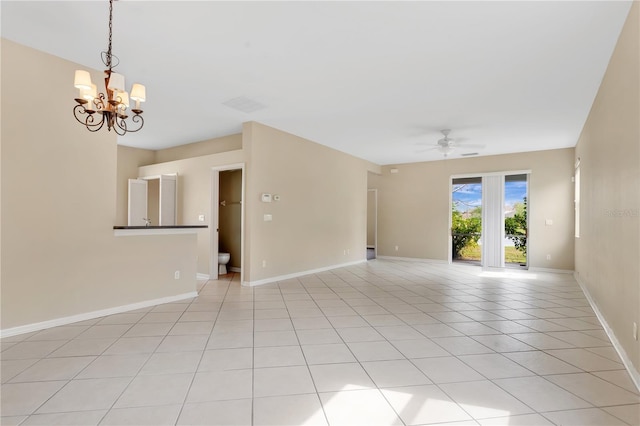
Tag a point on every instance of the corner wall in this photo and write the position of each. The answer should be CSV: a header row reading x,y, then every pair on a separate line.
x,y
608,250
60,257
321,218
414,209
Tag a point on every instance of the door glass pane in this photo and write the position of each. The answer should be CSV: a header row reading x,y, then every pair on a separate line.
x,y
515,220
466,220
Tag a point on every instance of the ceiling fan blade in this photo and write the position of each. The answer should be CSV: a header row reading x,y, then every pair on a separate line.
x,y
470,145
426,149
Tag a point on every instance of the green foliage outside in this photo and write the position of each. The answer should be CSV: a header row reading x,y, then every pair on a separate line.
x,y
515,227
465,231
511,254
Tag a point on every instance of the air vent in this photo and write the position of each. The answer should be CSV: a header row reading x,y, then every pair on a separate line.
x,y
469,154
244,104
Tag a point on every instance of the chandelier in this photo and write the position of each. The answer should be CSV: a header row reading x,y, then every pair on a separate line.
x,y
94,109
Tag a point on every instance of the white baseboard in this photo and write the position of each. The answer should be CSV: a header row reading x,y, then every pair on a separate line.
x,y
301,273
14,331
635,376
200,276
234,269
551,270
413,259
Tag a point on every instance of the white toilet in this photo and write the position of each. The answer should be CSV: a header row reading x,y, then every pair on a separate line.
x,y
223,259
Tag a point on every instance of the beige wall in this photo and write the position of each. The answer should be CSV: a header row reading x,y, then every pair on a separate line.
x,y
197,149
323,206
194,193
60,256
321,215
414,209
129,159
608,250
371,218
230,216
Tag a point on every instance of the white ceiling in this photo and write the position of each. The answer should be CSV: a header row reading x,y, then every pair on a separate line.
x,y
373,79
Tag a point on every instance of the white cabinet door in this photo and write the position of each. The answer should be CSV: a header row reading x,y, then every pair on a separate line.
x,y
137,202
168,191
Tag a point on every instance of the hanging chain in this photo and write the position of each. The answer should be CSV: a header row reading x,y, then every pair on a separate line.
x,y
110,34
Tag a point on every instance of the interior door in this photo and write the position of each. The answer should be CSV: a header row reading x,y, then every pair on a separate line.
x,y
137,211
168,187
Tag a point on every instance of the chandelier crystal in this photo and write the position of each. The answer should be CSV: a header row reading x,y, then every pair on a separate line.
x,y
94,109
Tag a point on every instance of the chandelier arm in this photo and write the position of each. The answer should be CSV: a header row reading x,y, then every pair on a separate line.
x,y
96,126
137,118
89,121
120,126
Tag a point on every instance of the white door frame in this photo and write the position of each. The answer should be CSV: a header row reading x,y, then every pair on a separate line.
x,y
480,175
213,219
375,221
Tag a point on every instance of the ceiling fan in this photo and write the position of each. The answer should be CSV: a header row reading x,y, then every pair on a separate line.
x,y
447,145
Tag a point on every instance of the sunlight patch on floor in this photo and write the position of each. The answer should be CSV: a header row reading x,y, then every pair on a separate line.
x,y
508,274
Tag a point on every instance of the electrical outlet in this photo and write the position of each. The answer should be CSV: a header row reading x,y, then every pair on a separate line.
x,y
344,252
396,248
264,263
176,275
548,257
635,331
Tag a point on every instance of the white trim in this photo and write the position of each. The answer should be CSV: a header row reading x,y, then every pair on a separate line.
x,y
414,259
635,376
155,231
14,331
504,173
301,273
553,271
200,276
234,269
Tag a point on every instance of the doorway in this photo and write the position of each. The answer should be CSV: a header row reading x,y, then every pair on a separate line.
x,y
227,219
488,219
372,224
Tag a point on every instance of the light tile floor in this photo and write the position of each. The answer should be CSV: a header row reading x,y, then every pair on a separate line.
x,y
382,343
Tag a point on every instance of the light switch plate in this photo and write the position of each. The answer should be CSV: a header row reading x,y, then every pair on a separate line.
x,y
201,218
266,198
268,218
